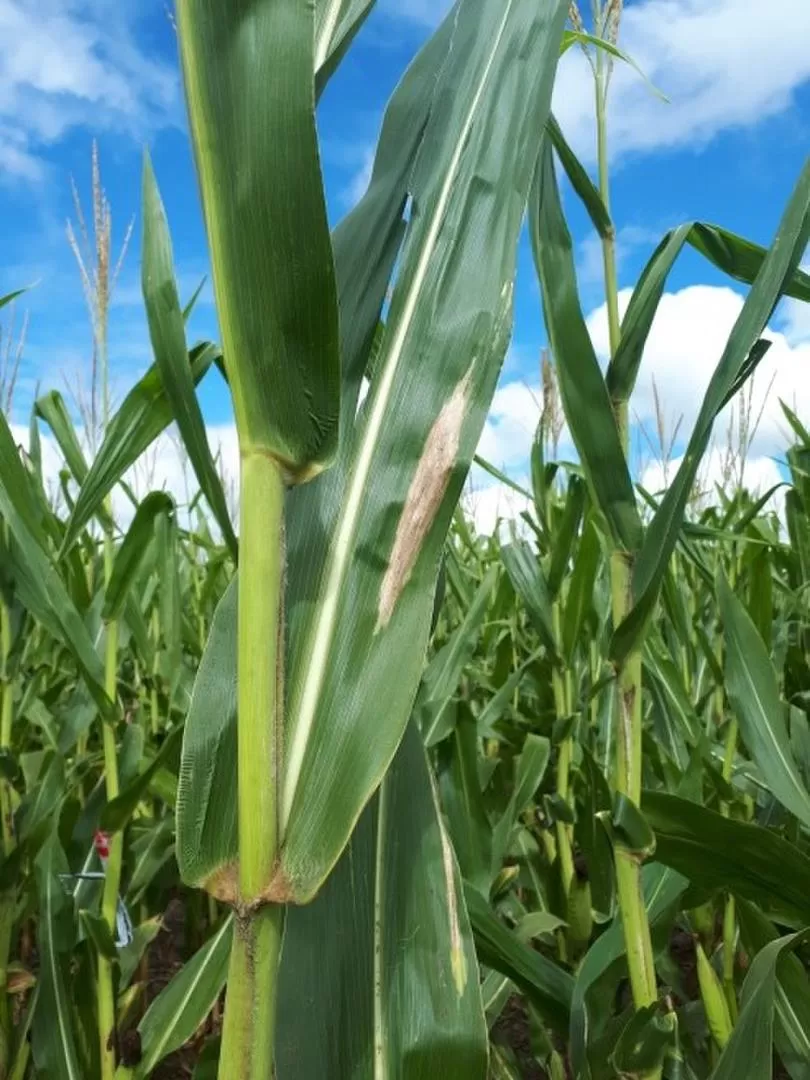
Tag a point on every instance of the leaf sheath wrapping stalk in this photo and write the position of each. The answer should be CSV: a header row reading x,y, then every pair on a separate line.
x,y
248,72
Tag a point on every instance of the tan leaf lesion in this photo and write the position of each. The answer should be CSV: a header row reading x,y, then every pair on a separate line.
x,y
424,499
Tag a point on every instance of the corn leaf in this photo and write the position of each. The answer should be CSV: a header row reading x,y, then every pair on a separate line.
x,y
179,1009
379,974
660,539
792,997
7,299
168,337
51,407
336,23
716,852
738,258
143,415
749,1051
582,387
463,803
443,674
54,1034
548,987
433,382
132,552
249,77
206,790
37,580
579,179
530,769
117,813
530,585
754,696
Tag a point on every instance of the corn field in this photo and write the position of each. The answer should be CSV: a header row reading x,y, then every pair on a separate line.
x,y
343,789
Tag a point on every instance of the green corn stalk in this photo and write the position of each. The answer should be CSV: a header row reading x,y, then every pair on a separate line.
x,y
628,752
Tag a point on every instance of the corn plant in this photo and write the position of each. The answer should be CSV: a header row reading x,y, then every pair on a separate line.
x,y
310,746
412,788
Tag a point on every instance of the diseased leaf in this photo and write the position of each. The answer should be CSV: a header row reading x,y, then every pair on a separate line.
x,y
379,971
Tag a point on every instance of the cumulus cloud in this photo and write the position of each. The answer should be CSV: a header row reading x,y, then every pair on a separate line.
x,y
706,56
757,474
493,506
686,342
164,467
68,63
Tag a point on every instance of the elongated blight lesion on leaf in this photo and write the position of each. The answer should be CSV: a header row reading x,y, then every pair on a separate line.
x,y
425,496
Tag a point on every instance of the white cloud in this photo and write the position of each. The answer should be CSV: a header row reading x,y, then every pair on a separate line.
x,y
511,424
70,63
722,63
164,467
495,506
686,342
759,475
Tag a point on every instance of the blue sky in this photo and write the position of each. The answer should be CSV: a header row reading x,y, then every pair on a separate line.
x,y
726,148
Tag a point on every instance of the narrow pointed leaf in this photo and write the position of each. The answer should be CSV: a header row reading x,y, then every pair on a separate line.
x,y
54,1035
178,1010
144,414
130,555
792,996
168,337
192,303
662,535
754,695
463,803
10,296
579,179
51,407
582,387
441,678
749,1052
529,772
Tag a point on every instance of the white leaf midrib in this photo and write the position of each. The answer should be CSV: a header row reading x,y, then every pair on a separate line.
x,y
55,976
157,1053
